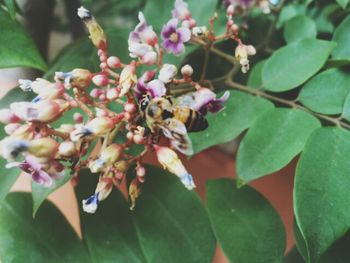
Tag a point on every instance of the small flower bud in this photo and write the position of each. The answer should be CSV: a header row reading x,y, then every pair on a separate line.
x,y
43,147
129,135
134,192
140,171
78,118
66,148
95,93
104,188
128,79
114,62
167,73
78,78
130,107
111,154
122,166
138,139
100,80
112,94
100,125
230,10
187,70
7,116
149,58
24,132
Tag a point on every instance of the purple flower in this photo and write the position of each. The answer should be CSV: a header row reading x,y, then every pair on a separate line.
x,y
142,39
204,100
174,38
155,88
181,11
31,166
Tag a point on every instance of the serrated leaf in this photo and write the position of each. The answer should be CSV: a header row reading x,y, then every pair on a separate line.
x,y
109,234
40,193
17,48
343,3
292,65
321,195
172,229
255,78
342,38
299,27
244,221
241,110
49,237
326,92
273,141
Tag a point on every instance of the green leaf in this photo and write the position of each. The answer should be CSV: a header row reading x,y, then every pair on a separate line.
x,y
246,225
109,233
11,8
293,64
241,111
171,222
342,38
299,27
255,78
293,257
158,13
48,238
40,193
321,194
17,48
346,108
323,19
82,54
288,12
273,141
343,3
326,92
148,233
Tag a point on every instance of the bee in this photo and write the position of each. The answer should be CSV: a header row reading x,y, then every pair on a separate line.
x,y
174,119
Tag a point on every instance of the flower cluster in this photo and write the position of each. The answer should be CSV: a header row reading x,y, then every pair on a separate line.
x,y
147,110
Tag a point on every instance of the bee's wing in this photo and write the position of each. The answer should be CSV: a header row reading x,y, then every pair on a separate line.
x,y
176,131
188,100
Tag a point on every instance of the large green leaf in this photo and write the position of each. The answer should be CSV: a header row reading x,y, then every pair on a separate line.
x,y
299,27
40,193
48,238
246,225
148,233
109,234
171,222
273,141
342,37
343,3
326,92
82,54
321,194
255,78
241,110
158,13
293,64
17,49
288,12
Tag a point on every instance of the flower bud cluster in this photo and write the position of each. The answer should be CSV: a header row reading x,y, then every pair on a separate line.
x,y
146,112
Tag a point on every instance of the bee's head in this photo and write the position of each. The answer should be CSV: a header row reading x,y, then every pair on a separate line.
x,y
144,102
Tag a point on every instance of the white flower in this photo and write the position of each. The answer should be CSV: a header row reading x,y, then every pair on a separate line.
x,y
167,73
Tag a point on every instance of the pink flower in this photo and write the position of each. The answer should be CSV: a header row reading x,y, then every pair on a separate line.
x,y
181,11
174,38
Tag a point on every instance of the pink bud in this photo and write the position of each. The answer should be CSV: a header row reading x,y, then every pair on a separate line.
x,y
103,57
66,148
140,171
129,135
193,23
78,118
100,80
127,116
230,10
130,107
102,97
113,62
7,116
149,58
148,75
95,93
103,65
138,139
112,94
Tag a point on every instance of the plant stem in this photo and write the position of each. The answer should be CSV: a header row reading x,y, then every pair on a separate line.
x,y
289,103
